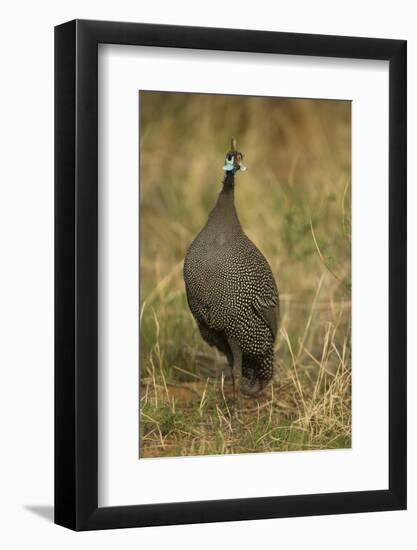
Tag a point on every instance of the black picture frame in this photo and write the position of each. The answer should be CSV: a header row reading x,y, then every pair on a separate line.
x,y
76,272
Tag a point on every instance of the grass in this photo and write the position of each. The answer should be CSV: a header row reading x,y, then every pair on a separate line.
x,y
294,203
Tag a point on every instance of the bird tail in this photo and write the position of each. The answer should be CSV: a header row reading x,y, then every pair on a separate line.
x,y
258,367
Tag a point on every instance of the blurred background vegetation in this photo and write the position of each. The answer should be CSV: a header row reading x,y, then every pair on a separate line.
x,y
294,203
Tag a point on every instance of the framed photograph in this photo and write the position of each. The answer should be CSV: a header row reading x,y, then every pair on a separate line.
x,y
230,285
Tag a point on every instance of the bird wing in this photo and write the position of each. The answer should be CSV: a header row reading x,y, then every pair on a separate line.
x,y
265,302
267,307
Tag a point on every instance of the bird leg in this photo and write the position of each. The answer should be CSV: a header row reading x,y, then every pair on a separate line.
x,y
236,369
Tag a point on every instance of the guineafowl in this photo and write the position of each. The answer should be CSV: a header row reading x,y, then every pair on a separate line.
x,y
231,290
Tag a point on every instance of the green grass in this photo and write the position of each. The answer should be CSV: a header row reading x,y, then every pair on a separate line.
x,y
294,203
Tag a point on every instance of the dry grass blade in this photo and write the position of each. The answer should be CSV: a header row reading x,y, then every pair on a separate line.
x,y
329,269
310,317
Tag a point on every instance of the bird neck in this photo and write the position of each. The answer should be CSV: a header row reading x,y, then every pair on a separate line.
x,y
229,182
225,210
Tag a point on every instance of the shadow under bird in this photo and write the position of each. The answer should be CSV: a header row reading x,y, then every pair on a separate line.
x,y
232,292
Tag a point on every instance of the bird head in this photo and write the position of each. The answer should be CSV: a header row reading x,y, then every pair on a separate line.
x,y
234,159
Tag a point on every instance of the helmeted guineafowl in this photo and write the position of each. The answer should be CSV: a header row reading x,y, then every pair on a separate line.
x,y
231,291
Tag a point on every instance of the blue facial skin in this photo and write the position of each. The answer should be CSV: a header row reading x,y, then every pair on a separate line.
x,y
229,165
